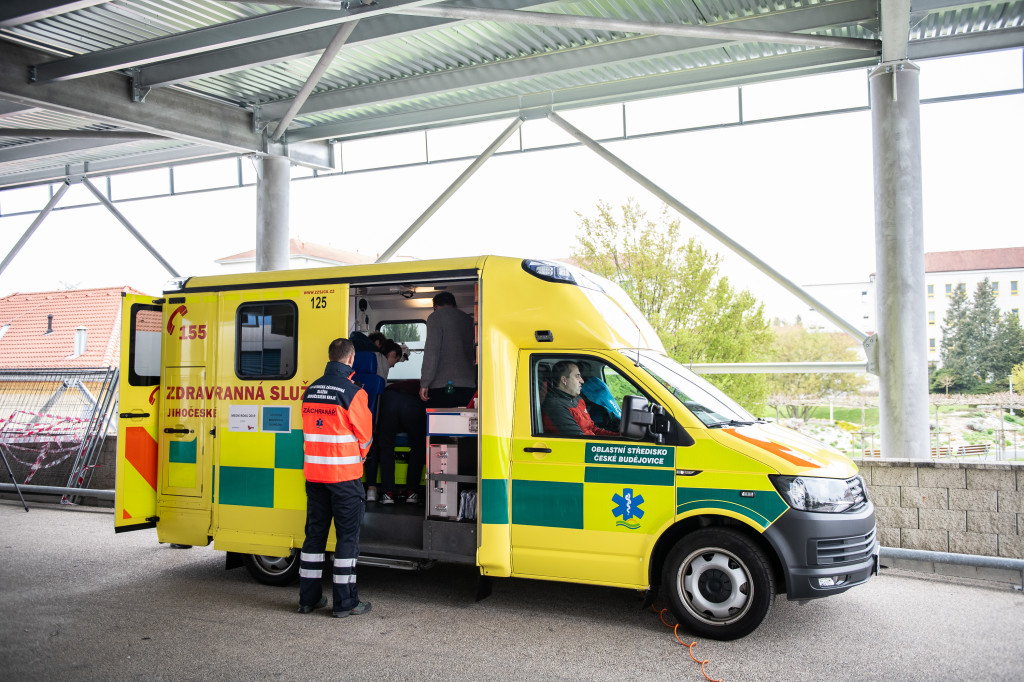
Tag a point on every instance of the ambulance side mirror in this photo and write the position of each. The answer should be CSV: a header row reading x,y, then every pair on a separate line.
x,y
638,418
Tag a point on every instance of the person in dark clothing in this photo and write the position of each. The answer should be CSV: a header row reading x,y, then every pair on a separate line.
x,y
401,412
337,430
448,375
563,411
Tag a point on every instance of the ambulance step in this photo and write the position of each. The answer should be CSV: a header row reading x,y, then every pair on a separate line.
x,y
392,562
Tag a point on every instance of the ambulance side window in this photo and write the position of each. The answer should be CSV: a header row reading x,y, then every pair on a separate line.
x,y
265,340
603,388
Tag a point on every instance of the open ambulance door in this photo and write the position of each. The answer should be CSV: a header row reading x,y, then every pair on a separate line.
x,y
136,479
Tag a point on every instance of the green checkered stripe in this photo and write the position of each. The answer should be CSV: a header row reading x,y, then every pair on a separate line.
x,y
254,486
556,504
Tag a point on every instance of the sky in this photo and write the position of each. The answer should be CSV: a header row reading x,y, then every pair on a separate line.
x,y
798,193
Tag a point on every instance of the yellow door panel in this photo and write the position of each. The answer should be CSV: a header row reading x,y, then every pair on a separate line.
x,y
259,485
584,508
187,419
136,477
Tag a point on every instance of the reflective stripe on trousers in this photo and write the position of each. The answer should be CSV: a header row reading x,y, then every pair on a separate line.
x,y
344,504
311,565
344,571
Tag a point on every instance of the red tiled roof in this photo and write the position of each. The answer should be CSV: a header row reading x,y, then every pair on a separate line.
x,y
978,259
25,343
297,247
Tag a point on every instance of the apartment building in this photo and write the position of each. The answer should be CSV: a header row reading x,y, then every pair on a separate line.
x,y
944,272
947,270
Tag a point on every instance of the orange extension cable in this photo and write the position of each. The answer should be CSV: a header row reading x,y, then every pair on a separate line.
x,y
689,647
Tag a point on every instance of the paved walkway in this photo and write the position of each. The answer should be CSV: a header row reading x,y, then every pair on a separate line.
x,y
78,602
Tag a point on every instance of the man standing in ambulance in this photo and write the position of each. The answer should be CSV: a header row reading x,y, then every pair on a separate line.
x,y
337,429
448,375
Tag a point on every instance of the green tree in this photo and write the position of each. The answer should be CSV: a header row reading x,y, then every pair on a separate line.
x,y
1007,349
697,313
794,343
1018,378
955,349
983,324
402,332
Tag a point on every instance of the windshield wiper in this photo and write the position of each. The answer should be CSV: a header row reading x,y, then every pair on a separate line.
x,y
728,422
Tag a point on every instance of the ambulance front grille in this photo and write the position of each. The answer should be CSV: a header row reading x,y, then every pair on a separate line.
x,y
845,550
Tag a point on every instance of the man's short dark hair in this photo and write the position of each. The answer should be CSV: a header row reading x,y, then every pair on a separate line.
x,y
340,349
561,369
376,337
445,298
390,346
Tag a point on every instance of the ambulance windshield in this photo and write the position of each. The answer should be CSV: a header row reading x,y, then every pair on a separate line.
x,y
706,402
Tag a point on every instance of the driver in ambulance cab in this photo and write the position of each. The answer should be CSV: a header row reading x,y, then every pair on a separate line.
x,y
563,411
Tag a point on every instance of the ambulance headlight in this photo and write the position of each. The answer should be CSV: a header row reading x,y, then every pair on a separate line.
x,y
809,493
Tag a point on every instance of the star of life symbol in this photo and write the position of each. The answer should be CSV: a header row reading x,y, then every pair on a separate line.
x,y
319,423
628,507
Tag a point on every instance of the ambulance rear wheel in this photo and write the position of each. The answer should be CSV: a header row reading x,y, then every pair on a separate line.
x,y
719,584
273,570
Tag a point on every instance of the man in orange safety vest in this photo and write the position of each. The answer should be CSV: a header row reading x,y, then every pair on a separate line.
x,y
337,429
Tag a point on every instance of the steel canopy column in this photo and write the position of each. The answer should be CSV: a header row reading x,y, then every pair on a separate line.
x,y
35,225
272,204
899,260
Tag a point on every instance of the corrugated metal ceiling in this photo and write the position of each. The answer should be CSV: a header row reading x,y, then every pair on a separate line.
x,y
398,71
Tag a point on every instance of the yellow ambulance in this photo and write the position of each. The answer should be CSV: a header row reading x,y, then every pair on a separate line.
x,y
680,489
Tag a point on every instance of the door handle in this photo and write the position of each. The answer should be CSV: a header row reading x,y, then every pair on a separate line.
x,y
536,449
185,431
133,415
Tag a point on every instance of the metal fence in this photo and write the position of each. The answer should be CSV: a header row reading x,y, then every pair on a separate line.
x,y
999,441
53,423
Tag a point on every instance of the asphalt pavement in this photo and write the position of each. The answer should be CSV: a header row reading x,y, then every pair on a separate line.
x,y
79,602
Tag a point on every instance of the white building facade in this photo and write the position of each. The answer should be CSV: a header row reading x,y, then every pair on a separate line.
x,y
944,272
947,270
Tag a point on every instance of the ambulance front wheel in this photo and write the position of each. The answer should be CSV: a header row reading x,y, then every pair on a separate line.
x,y
719,584
273,570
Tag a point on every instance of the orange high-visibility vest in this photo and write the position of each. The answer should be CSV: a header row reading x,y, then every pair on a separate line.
x,y
337,427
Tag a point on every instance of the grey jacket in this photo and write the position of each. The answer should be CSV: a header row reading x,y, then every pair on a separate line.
x,y
449,353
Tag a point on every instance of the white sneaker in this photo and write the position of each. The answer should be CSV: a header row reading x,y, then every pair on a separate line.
x,y
371,494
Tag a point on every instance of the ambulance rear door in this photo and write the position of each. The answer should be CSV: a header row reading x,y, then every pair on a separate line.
x,y
186,433
136,476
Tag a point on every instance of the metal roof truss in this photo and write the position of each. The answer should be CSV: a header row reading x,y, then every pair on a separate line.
x,y
190,79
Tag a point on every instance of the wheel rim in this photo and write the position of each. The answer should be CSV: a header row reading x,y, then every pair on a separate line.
x,y
715,586
273,565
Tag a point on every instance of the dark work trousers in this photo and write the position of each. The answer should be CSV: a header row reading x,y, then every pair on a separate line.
x,y
344,502
459,397
401,413
372,461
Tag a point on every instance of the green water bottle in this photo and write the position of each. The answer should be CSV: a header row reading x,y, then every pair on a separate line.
x,y
450,388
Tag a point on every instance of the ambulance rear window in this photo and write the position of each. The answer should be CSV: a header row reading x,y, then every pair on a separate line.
x,y
266,343
144,349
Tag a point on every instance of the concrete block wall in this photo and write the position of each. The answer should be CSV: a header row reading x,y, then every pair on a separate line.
x,y
948,506
103,476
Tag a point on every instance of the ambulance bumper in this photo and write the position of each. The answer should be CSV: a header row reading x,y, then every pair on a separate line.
x,y
824,554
